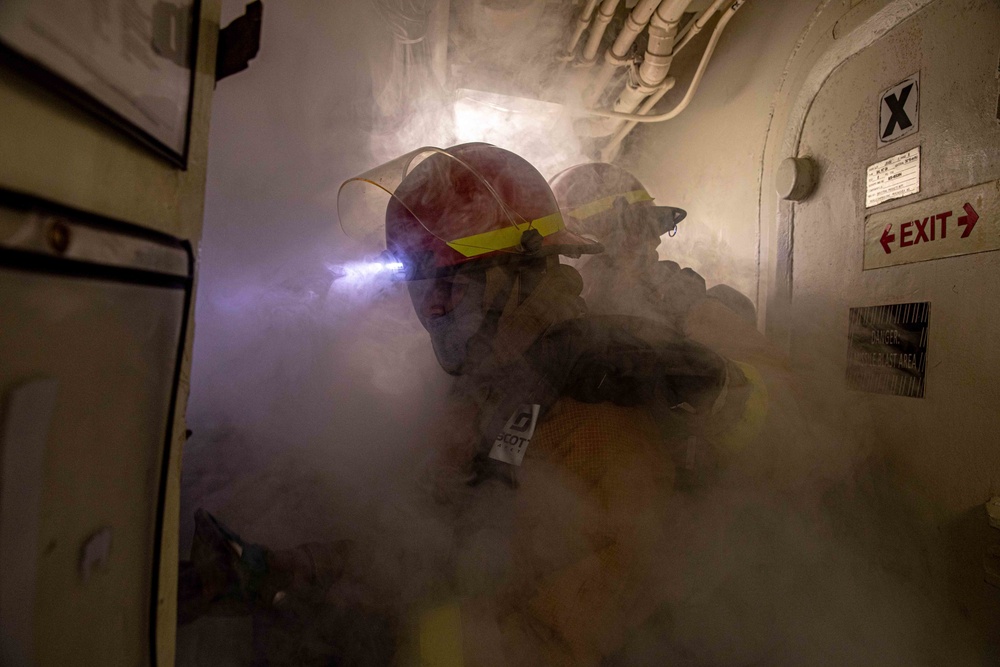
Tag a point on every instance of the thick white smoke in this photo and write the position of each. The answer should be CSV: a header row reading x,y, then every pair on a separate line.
x,y
319,412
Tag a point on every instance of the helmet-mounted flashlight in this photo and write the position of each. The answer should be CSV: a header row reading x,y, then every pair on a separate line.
x,y
384,266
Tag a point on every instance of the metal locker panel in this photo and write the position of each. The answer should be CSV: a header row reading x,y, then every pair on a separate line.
x,y
97,310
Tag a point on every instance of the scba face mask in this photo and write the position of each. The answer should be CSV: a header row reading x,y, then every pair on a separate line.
x,y
451,310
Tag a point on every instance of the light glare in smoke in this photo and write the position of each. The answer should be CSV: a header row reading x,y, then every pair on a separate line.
x,y
357,273
537,130
480,115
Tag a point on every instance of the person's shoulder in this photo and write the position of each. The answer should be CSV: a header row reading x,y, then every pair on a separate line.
x,y
714,325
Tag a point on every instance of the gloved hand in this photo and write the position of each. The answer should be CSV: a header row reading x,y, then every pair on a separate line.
x,y
676,289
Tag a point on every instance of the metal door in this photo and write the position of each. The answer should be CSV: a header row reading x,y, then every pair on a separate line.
x,y
944,448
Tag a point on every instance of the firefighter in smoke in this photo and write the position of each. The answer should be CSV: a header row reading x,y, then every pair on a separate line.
x,y
610,205
479,234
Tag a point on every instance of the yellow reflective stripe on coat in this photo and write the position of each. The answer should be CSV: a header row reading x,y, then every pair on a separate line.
x,y
601,205
441,637
507,237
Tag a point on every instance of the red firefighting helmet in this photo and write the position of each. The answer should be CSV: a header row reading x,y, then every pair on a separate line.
x,y
469,203
585,191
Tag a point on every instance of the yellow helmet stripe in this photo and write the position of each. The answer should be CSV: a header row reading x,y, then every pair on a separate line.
x,y
507,237
601,205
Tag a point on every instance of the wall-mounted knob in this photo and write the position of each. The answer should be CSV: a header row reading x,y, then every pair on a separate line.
x,y
796,178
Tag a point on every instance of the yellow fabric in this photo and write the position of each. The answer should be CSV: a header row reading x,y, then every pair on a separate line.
x,y
740,434
604,204
597,443
506,237
441,636
613,456
581,612
713,324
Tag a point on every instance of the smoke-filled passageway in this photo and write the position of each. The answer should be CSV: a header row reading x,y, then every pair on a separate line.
x,y
692,490
499,332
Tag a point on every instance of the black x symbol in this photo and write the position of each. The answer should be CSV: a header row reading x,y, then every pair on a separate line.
x,y
898,112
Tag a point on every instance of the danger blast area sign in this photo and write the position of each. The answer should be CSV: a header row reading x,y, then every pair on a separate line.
x,y
887,349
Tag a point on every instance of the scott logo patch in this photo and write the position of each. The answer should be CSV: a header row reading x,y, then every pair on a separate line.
x,y
513,441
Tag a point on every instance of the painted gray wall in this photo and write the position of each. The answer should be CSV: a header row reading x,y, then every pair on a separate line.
x,y
783,67
941,449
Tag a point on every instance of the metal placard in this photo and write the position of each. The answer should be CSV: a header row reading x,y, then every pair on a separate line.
x,y
887,349
892,178
899,110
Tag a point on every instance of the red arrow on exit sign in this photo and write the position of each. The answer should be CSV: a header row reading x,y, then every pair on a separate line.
x,y
968,220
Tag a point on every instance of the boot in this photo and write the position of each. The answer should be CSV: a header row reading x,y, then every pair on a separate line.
x,y
225,575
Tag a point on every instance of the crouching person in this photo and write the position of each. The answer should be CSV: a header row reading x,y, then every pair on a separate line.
x,y
564,404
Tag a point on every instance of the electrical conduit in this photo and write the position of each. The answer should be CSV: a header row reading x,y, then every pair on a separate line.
x,y
659,55
615,57
600,25
695,82
581,27
697,25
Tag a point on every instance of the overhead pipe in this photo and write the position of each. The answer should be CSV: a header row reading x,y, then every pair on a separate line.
x,y
634,25
437,37
581,27
617,55
687,26
695,82
697,25
597,30
610,150
659,55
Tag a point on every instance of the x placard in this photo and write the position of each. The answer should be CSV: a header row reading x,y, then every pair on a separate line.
x,y
899,110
